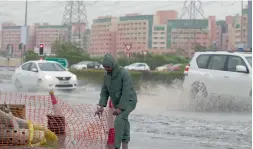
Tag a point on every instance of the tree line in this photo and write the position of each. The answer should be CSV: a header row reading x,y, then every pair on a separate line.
x,y
74,55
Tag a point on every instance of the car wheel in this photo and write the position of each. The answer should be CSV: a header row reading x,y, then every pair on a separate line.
x,y
198,94
196,88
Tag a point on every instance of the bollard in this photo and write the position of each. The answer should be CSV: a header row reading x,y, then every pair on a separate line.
x,y
56,107
56,121
110,121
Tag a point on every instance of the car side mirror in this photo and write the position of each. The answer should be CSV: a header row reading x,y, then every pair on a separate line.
x,y
241,68
34,70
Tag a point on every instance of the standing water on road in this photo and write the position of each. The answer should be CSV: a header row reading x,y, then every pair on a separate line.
x,y
160,120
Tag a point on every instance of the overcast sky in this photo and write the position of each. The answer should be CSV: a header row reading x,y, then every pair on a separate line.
x,y
52,11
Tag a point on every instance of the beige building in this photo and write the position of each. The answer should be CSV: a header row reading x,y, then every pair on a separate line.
x,y
135,30
103,36
159,36
241,28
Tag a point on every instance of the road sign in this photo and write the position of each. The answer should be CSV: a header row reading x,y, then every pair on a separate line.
x,y
128,54
20,46
128,46
62,61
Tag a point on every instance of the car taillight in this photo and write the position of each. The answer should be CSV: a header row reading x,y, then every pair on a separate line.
x,y
187,67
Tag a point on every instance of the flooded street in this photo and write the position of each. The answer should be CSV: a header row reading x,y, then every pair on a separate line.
x,y
160,122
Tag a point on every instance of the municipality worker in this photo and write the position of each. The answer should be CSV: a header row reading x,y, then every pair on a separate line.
x,y
118,85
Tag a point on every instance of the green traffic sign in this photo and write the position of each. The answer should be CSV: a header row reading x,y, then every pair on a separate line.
x,y
62,61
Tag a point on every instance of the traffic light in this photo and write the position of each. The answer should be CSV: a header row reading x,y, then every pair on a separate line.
x,y
41,50
20,46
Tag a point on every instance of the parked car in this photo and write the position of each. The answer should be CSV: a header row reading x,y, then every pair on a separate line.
x,y
164,67
81,65
219,73
73,66
175,67
101,67
86,65
138,66
93,65
43,74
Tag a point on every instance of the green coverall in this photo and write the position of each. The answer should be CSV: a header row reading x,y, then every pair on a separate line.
x,y
118,85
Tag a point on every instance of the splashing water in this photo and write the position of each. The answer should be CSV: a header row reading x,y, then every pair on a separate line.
x,y
162,98
163,114
159,98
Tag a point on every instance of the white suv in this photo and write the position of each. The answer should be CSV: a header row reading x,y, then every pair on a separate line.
x,y
219,73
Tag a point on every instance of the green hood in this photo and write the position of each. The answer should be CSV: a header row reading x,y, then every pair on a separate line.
x,y
109,61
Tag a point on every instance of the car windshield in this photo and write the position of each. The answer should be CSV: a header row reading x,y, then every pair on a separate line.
x,y
51,67
249,59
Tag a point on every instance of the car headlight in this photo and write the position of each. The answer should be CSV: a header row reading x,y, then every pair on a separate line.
x,y
74,77
48,77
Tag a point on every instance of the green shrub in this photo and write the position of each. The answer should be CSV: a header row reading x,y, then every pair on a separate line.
x,y
159,77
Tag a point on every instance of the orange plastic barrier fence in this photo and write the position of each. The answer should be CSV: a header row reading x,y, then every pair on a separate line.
x,y
28,120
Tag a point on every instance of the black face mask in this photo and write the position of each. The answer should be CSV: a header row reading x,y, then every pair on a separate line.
x,y
108,69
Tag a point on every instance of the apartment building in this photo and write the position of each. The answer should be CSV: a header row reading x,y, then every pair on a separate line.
x,y
186,34
250,25
219,26
87,39
244,27
103,36
143,32
159,30
78,34
240,26
12,34
225,34
162,32
159,37
47,34
162,16
134,29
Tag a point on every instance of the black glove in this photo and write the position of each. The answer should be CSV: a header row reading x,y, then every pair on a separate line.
x,y
99,111
116,112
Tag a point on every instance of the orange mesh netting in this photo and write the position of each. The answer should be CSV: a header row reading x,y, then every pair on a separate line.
x,y
76,128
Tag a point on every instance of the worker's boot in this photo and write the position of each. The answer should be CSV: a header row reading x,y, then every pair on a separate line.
x,y
124,145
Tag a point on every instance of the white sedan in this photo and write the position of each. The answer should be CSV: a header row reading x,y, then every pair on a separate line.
x,y
138,67
44,74
80,65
